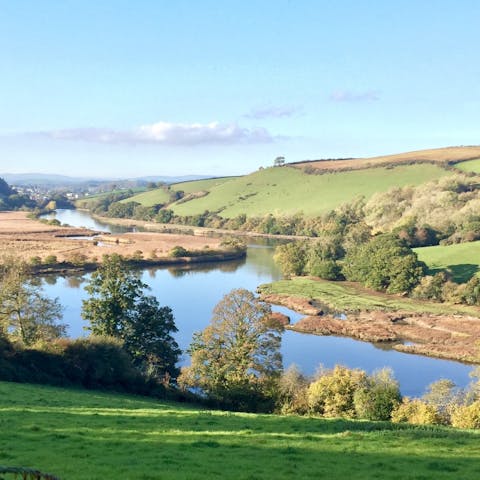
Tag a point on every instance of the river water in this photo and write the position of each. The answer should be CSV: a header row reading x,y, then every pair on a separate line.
x,y
192,293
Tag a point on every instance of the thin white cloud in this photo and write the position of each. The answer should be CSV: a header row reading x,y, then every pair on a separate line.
x,y
165,133
349,96
260,113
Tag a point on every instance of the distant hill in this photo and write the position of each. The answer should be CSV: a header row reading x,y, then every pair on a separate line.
x,y
53,180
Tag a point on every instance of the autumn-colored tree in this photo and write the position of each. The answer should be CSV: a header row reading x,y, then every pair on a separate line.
x,y
236,360
25,312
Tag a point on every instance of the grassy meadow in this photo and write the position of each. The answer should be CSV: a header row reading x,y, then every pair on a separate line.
x,y
287,190
469,166
159,195
348,296
462,260
80,435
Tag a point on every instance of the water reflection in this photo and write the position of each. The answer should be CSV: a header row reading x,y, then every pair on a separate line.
x,y
192,293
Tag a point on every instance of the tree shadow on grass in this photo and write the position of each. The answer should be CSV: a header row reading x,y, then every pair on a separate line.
x,y
460,273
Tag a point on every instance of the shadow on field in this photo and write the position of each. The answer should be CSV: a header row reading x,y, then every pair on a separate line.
x,y
460,273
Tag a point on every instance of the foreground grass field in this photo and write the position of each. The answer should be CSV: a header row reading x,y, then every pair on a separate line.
x,y
348,296
288,190
79,435
462,260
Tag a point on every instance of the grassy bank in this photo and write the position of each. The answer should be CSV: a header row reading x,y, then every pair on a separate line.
x,y
348,296
462,260
81,435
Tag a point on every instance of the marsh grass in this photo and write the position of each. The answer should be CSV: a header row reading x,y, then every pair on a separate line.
x,y
348,296
91,435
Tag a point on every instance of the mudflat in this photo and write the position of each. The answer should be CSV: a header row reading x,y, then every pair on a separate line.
x,y
23,238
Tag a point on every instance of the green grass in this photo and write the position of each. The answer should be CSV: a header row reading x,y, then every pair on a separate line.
x,y
288,190
345,296
159,195
79,435
149,198
462,260
469,166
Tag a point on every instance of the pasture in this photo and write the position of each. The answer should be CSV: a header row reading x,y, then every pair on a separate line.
x,y
80,435
287,190
461,260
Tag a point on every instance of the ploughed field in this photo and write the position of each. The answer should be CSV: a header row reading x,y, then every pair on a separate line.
x,y
80,435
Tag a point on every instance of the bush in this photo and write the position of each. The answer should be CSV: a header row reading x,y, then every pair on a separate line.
x,y
292,391
380,396
417,412
332,395
35,261
50,260
467,416
178,251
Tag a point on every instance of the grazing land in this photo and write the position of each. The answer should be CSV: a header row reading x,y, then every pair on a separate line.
x,y
470,166
80,435
441,156
461,260
413,326
160,195
24,238
287,190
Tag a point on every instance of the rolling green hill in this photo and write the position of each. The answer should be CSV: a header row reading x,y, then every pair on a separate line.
x,y
288,190
80,435
461,259
159,195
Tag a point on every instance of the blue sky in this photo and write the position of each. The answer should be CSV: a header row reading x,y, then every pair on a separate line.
x,y
130,88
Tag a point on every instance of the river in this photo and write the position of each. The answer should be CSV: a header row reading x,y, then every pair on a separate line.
x,y
192,293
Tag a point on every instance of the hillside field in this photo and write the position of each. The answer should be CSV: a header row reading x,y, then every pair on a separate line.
x,y
159,195
462,260
441,156
287,190
470,166
80,435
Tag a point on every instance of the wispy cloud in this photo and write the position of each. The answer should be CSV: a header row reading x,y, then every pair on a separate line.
x,y
271,111
349,96
165,133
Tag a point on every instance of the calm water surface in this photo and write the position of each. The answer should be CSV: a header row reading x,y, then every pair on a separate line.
x,y
193,293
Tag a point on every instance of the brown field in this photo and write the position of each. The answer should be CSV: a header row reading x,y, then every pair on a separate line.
x,y
25,238
443,156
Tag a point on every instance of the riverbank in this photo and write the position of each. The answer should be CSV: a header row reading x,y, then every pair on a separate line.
x,y
188,229
346,309
55,249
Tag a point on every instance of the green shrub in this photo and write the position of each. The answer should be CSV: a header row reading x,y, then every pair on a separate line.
x,y
379,397
332,394
467,416
178,251
417,412
35,261
50,260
